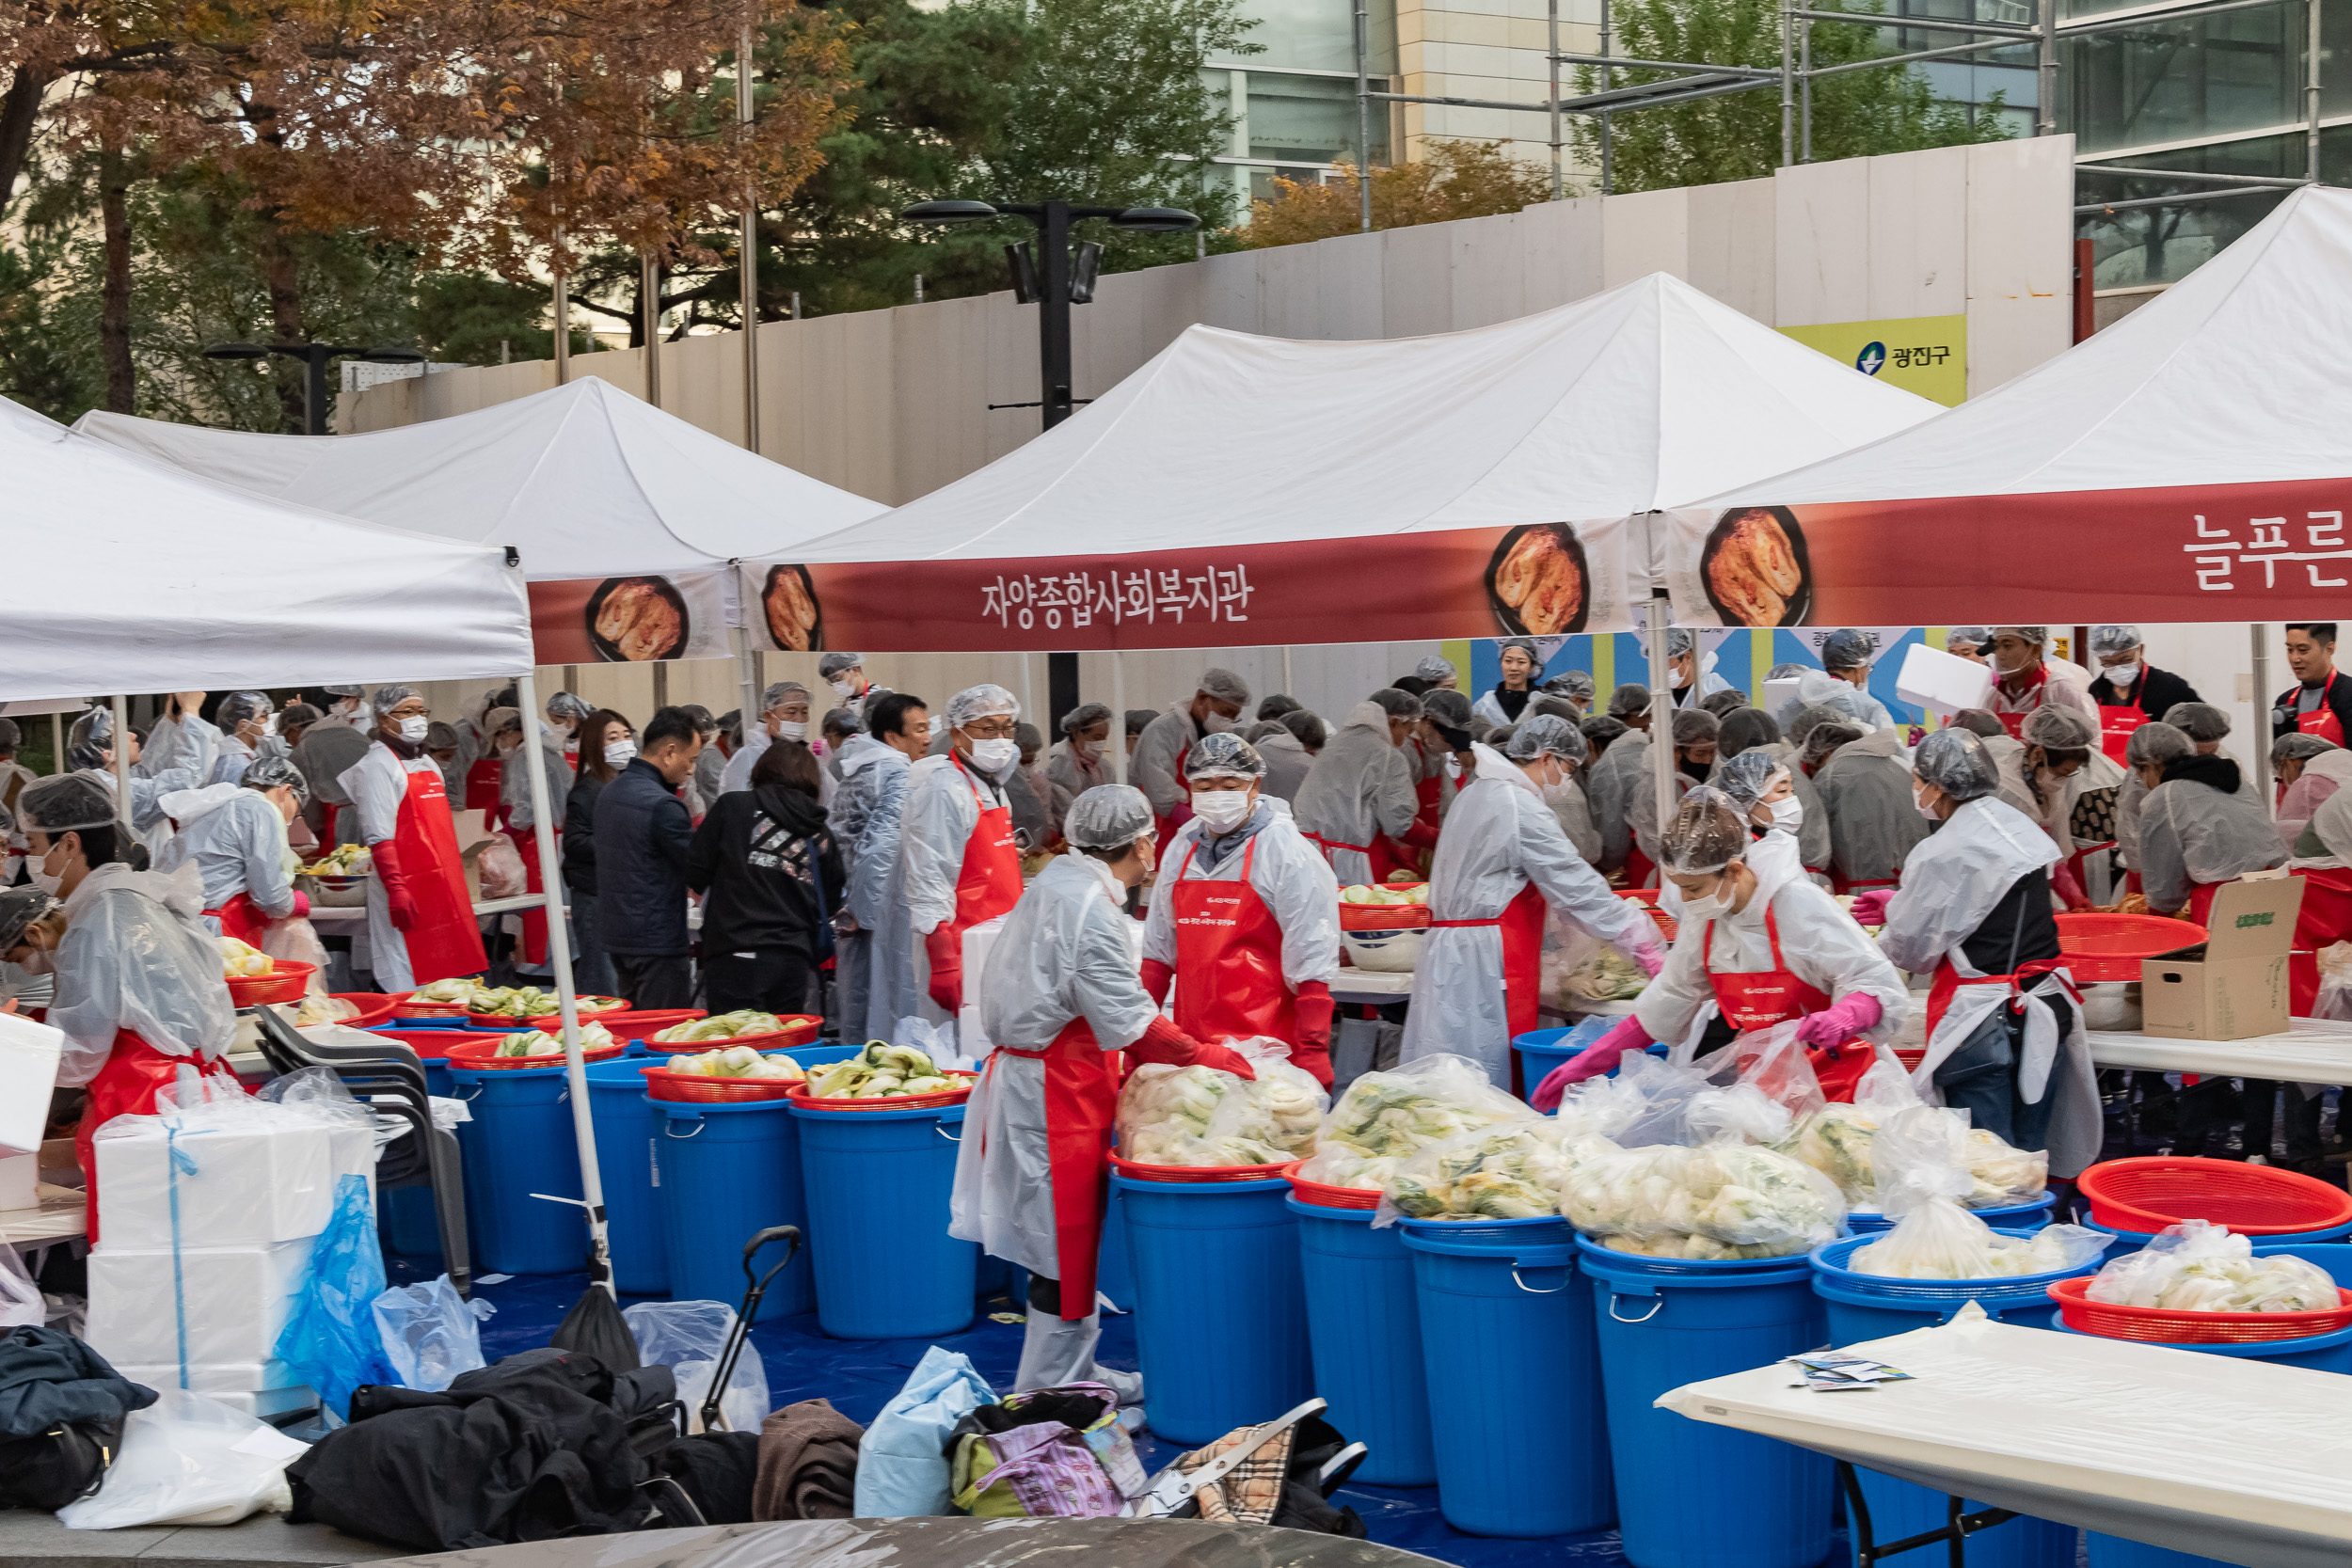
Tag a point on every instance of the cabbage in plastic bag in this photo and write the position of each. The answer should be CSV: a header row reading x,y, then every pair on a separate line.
x,y
1385,1118
1507,1172
1835,1139
1919,1158
1198,1116
1718,1201
2198,1267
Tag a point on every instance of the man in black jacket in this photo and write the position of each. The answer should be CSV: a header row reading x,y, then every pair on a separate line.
x,y
2318,704
641,834
2126,679
770,880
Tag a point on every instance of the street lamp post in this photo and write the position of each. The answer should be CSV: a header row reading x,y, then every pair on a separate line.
x,y
314,357
1049,283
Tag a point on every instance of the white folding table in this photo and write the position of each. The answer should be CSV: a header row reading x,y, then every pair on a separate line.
x,y
2312,1051
2211,1455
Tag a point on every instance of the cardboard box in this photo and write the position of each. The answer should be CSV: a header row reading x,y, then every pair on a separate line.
x,y
2234,985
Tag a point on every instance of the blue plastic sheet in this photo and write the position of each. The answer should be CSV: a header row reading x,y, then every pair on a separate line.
x,y
330,1339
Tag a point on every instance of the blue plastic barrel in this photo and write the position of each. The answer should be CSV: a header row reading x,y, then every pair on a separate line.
x,y
2112,1551
2025,1218
1514,1379
626,1134
877,1186
1363,1323
1220,1304
520,1142
1864,1307
1541,1050
410,1226
1691,1494
727,1171
1114,1270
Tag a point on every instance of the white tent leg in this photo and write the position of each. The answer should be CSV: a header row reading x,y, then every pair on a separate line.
x,y
2261,694
746,664
1118,716
567,998
122,764
1661,720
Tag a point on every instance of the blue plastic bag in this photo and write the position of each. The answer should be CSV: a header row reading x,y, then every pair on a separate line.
x,y
331,1341
901,1470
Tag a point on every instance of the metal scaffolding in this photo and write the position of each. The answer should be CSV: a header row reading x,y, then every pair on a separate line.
x,y
1796,73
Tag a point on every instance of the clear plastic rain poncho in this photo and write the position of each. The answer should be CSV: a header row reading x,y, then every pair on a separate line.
x,y
236,840
874,794
1360,784
1873,818
2192,833
1622,772
136,959
2153,742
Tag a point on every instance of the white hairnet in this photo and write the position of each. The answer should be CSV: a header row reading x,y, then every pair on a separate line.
x,y
87,742
1748,726
238,707
2035,635
2107,641
500,720
64,803
1108,816
1847,648
2058,729
1630,701
2200,721
1084,715
1695,726
1447,707
1396,704
1968,637
2291,746
1680,641
834,664
1786,671
343,691
1225,686
1707,833
1527,647
1436,669
1223,755
1956,762
781,692
1749,776
19,908
269,772
2161,742
1826,737
1576,683
570,705
390,697
1546,734
981,702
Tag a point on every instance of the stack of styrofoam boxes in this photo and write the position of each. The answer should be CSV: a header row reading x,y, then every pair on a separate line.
x,y
262,1190
28,1070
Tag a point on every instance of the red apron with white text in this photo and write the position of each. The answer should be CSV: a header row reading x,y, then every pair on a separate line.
x,y
2324,920
1949,981
2015,722
990,881
1229,958
1081,1094
446,939
1761,998
1380,852
126,1087
2116,725
2321,720
241,918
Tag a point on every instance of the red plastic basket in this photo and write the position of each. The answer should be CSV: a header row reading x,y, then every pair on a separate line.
x,y
1321,1196
1647,898
409,1006
2146,1195
480,1055
2168,1326
285,983
374,1007
634,1025
2110,946
431,1045
1384,917
705,1090
1181,1174
800,1028
891,1103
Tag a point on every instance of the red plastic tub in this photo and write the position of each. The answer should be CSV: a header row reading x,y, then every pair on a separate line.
x,y
800,1029
2172,1326
1187,1174
800,1095
285,983
1647,898
1314,1192
431,1045
2110,946
2144,1196
635,1025
480,1055
699,1088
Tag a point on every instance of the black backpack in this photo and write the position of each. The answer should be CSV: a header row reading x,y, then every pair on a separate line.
x,y
53,1468
61,1414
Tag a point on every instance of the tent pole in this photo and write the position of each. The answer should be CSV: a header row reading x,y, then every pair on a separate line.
x,y
1028,696
122,760
2262,688
56,743
1118,716
1289,689
745,678
1661,699
567,998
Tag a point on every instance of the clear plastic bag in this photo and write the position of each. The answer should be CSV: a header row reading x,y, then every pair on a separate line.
x,y
1385,1118
21,1302
431,1333
2198,1267
1718,1200
296,939
1198,1116
688,1336
1509,1172
503,874
187,1460
1920,1159
1836,1140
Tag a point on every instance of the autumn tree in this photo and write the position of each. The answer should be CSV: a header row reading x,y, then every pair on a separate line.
x,y
1452,180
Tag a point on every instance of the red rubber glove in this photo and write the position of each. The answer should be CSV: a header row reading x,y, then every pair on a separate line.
x,y
1157,978
1869,907
1421,835
944,946
2069,887
1165,1044
301,909
1313,1007
1594,1060
399,901
1840,1022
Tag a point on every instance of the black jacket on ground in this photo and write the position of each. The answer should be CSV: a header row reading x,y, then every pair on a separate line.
x,y
751,859
579,832
2154,694
48,1378
641,834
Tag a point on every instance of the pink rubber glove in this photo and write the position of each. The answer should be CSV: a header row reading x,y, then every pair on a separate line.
x,y
1869,907
1648,949
1839,1022
1594,1059
301,909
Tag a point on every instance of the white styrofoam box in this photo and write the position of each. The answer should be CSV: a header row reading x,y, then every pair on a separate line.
x,y
238,1301
19,1174
258,1403
972,1041
1934,679
28,1075
1778,693
214,1377
272,1182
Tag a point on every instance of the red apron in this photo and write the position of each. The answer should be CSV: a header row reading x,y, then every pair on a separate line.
x,y
1229,958
2324,919
526,842
1379,852
1640,871
446,940
2015,722
2201,903
482,785
1081,1095
2321,720
1947,983
1759,999
989,883
240,918
126,1087
2116,725
1522,923
1165,827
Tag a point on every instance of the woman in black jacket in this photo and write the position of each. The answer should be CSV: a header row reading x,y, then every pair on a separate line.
x,y
771,879
606,744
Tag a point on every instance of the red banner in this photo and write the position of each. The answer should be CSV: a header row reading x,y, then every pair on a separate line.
x,y
1548,580
2230,552
629,619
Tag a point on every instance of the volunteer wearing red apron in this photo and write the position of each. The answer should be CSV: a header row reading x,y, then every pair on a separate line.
x,y
2319,702
1158,763
959,861
2129,691
422,927
1759,945
1502,864
2024,682
1624,768
485,776
1061,998
2005,1030
235,835
1243,924
139,979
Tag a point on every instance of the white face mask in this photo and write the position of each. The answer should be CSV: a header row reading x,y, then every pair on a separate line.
x,y
616,754
2122,674
1919,802
39,961
413,728
1557,792
1681,677
1216,723
1787,816
1453,767
38,874
1714,907
1221,810
842,688
995,756
791,729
